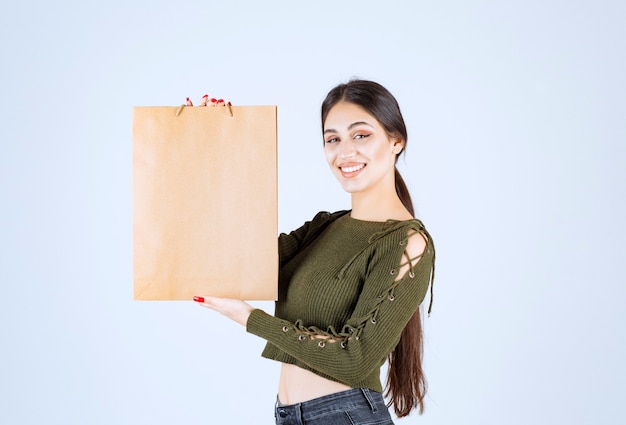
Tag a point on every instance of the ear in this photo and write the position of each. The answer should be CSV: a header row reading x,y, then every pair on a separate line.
x,y
397,145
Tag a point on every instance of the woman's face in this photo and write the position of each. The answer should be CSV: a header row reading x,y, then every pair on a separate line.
x,y
358,150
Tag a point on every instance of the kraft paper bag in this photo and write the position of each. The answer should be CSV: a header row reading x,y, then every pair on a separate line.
x,y
205,202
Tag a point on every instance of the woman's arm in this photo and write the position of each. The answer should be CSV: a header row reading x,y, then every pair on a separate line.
x,y
388,300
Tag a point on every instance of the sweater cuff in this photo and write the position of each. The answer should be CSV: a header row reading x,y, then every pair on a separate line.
x,y
258,321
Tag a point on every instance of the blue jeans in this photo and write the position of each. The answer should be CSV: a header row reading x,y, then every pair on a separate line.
x,y
358,406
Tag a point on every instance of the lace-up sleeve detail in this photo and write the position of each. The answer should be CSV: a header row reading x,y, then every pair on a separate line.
x,y
400,269
417,245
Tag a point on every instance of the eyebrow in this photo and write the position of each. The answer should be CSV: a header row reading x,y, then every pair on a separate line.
x,y
350,127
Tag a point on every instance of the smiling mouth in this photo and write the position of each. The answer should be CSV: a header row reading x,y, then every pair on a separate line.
x,y
352,168
351,171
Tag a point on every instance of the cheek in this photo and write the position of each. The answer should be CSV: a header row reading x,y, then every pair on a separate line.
x,y
329,155
386,153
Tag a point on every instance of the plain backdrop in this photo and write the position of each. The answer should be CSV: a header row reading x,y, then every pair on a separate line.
x,y
516,160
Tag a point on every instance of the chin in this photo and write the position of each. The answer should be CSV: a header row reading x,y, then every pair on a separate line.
x,y
350,185
351,188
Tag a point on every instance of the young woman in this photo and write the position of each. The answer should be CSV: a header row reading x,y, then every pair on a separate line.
x,y
350,282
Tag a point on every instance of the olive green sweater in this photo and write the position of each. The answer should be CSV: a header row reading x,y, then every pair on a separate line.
x,y
340,308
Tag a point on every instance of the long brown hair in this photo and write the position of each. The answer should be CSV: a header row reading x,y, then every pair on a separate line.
x,y
406,383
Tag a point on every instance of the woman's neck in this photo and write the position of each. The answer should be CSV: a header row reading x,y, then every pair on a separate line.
x,y
378,208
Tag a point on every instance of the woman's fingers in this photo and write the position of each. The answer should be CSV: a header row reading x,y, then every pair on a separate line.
x,y
233,309
210,302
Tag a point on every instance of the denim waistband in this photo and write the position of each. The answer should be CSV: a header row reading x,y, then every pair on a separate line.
x,y
356,398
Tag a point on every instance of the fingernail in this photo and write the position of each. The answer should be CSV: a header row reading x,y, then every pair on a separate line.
x,y
198,299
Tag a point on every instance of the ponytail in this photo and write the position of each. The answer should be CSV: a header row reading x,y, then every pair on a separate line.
x,y
403,192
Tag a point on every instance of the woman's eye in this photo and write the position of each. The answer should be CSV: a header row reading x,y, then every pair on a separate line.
x,y
361,136
331,140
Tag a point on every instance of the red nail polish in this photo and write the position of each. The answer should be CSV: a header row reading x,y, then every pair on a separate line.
x,y
198,299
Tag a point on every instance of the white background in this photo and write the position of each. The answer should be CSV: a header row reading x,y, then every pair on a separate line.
x,y
516,161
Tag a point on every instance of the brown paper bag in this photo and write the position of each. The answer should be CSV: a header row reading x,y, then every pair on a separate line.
x,y
205,202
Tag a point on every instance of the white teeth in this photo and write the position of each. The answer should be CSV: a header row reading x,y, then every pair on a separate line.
x,y
352,169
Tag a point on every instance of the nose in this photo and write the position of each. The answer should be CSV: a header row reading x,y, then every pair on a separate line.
x,y
347,150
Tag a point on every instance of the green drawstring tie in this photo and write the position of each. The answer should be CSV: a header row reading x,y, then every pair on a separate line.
x,y
432,282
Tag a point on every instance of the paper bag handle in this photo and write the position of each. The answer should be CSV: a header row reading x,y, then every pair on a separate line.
x,y
180,109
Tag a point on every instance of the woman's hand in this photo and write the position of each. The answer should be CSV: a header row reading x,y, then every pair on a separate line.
x,y
237,310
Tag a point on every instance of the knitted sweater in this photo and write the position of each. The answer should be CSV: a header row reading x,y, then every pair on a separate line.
x,y
341,308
